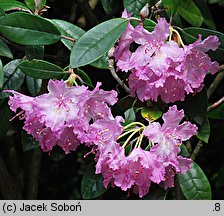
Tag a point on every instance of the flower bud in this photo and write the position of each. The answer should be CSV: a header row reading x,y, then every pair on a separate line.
x,y
38,3
144,13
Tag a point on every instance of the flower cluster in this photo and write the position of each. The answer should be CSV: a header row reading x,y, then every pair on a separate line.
x,y
160,66
62,116
141,167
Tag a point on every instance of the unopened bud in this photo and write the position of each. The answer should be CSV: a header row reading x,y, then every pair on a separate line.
x,y
38,3
144,13
111,52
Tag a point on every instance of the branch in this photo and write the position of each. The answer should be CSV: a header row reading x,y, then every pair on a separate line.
x,y
114,74
216,81
68,38
8,186
216,104
196,150
34,169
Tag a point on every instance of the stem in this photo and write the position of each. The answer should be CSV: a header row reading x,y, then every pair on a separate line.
x,y
114,74
68,38
140,140
216,104
134,123
216,81
124,134
196,150
129,138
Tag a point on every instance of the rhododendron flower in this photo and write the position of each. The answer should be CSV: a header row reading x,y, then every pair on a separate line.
x,y
160,67
64,114
160,164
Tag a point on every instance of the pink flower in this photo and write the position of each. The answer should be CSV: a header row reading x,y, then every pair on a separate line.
x,y
167,139
160,67
62,116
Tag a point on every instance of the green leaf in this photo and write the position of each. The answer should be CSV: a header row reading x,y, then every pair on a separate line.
x,y
171,6
4,50
84,77
190,12
134,6
96,42
34,52
28,29
2,12
41,69
13,77
33,85
6,114
217,113
184,151
204,131
152,113
194,184
28,142
147,23
195,106
101,63
191,35
1,75
130,115
69,30
31,4
8,5
106,6
207,16
92,184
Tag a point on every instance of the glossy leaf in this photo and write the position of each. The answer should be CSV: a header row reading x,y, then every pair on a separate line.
x,y
130,115
171,6
147,23
96,42
191,35
41,69
217,113
4,50
190,12
34,52
204,131
85,78
151,114
106,6
207,16
69,30
1,75
101,63
195,106
92,184
28,29
13,77
31,4
28,142
6,114
184,151
134,6
2,12
194,184
8,5
34,85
